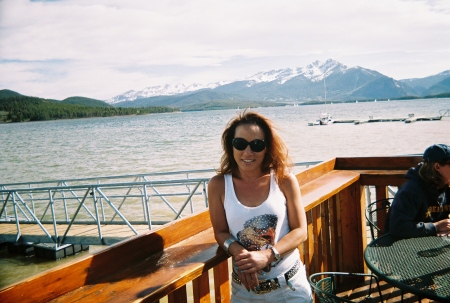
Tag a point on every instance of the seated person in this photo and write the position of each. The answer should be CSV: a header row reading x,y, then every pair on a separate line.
x,y
421,207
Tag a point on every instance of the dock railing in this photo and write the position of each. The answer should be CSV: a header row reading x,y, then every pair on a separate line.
x,y
160,264
139,202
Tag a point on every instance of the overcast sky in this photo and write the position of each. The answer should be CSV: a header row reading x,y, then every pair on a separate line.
x,y
102,48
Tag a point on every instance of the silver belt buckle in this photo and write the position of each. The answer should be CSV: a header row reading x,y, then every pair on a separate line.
x,y
268,286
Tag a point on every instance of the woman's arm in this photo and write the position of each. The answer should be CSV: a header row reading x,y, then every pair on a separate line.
x,y
216,194
296,216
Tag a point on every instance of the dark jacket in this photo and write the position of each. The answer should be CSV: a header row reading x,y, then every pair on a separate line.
x,y
416,206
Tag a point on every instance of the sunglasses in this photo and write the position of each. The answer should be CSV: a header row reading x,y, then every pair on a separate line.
x,y
256,145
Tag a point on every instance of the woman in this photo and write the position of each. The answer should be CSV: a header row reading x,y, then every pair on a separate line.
x,y
257,214
421,206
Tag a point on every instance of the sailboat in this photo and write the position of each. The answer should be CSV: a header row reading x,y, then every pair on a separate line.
x,y
325,117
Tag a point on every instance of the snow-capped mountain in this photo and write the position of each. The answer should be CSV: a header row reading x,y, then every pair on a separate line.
x,y
315,71
161,90
287,85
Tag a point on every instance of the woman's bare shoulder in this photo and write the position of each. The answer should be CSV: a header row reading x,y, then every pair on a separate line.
x,y
217,182
289,182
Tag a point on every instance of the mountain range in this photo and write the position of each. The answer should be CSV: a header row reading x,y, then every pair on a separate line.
x,y
318,81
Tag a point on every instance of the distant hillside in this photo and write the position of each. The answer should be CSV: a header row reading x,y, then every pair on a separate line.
x,y
381,88
85,102
215,105
19,108
205,99
423,84
441,87
6,93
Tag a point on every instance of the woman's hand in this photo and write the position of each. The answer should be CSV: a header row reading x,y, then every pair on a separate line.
x,y
250,264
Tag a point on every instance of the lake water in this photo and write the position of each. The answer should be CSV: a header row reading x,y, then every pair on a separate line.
x,y
39,151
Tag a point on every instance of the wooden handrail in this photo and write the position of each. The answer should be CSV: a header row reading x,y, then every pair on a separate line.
x,y
160,263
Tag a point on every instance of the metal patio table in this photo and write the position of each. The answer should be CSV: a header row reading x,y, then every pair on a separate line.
x,y
418,265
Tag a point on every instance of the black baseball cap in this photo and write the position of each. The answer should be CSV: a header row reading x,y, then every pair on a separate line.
x,y
436,153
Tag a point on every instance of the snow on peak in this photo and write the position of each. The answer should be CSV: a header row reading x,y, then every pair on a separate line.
x,y
315,72
318,70
281,75
160,90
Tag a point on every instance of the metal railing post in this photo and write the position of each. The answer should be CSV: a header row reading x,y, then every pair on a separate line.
x,y
66,212
17,218
205,192
52,207
99,228
147,207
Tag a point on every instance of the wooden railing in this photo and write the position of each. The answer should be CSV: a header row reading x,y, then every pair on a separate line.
x,y
160,263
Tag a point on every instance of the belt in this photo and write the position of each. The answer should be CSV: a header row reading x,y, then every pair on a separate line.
x,y
266,286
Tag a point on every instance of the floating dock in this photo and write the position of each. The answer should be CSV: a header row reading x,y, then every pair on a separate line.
x,y
409,119
34,241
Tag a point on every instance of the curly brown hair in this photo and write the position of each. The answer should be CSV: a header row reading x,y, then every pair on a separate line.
x,y
276,157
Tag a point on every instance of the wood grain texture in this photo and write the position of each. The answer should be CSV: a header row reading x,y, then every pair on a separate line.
x,y
222,288
315,172
133,270
377,163
200,287
325,186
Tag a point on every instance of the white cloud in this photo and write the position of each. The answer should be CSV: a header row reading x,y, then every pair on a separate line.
x,y
101,48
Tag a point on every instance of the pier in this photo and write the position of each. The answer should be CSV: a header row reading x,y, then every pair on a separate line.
x,y
55,218
61,215
411,118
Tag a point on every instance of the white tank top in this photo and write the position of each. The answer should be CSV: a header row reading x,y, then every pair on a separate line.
x,y
257,227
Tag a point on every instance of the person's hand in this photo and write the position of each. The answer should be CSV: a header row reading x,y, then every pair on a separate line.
x,y
443,227
249,280
250,264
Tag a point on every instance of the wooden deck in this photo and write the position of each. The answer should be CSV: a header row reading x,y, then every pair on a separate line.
x,y
358,292
159,264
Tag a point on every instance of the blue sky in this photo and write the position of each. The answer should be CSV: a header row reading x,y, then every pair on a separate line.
x,y
102,48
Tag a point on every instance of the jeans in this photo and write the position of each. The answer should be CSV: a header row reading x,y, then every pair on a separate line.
x,y
302,293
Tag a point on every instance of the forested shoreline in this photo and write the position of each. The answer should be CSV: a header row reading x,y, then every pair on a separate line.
x,y
23,108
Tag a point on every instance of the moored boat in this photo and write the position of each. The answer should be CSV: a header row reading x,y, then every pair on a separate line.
x,y
325,118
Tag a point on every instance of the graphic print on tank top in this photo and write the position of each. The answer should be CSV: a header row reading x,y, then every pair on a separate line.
x,y
258,233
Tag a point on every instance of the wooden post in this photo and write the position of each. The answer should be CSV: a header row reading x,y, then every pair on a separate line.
x,y
200,287
352,242
178,296
222,290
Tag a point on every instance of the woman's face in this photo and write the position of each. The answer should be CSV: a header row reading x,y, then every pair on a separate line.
x,y
247,159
